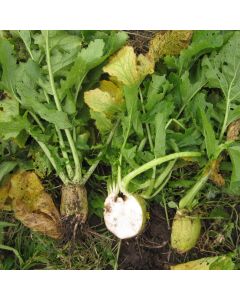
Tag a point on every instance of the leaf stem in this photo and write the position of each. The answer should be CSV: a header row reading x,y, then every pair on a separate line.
x,y
46,151
78,88
36,119
64,153
93,167
152,182
155,162
164,174
78,173
187,201
62,145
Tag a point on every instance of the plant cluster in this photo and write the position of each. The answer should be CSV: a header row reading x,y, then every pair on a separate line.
x,y
81,112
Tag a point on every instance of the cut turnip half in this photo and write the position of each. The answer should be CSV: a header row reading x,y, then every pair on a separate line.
x,y
124,215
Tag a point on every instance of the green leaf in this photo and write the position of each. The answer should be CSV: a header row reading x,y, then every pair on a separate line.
x,y
222,263
8,64
234,153
5,168
69,104
223,68
209,135
9,108
189,89
13,128
32,101
132,101
64,48
203,41
129,155
90,57
160,135
26,37
223,71
219,212
157,90
103,124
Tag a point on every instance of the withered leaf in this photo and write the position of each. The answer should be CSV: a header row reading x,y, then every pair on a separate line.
x,y
169,43
233,130
215,176
5,201
33,206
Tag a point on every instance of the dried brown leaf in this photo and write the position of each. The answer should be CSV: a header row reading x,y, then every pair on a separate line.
x,y
170,42
5,201
233,130
33,206
215,176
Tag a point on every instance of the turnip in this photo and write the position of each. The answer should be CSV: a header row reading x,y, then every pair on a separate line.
x,y
124,212
185,231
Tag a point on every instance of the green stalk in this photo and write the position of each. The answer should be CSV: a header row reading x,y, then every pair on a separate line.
x,y
187,201
160,188
124,144
78,173
164,174
36,119
62,145
189,99
28,48
34,116
46,151
64,153
7,248
152,181
93,167
155,162
176,121
78,88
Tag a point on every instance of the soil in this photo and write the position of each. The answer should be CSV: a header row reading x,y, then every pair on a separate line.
x,y
139,39
151,250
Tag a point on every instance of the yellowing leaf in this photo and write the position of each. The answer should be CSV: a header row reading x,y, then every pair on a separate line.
x,y
100,101
114,90
127,68
5,201
207,263
169,43
25,185
33,206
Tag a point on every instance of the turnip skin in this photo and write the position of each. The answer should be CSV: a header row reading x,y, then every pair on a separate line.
x,y
185,231
74,202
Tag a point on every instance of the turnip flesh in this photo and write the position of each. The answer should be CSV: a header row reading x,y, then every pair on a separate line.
x,y
124,215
